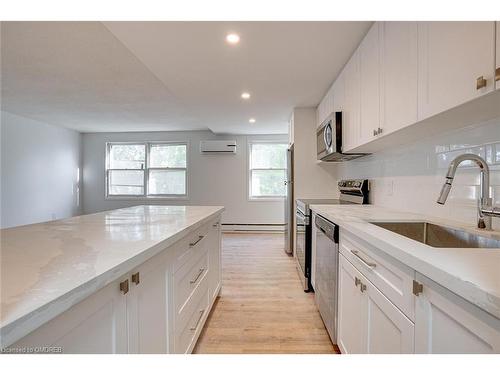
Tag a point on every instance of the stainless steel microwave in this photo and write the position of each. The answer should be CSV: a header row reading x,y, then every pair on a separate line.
x,y
329,140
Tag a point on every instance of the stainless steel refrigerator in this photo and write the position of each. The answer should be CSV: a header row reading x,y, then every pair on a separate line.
x,y
289,211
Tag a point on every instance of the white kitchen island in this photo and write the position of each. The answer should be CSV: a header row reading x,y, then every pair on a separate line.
x,y
135,280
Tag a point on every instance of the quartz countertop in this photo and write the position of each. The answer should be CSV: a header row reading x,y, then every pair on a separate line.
x,y
46,268
473,274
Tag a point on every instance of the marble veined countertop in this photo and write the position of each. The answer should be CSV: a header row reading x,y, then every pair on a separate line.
x,y
46,268
473,274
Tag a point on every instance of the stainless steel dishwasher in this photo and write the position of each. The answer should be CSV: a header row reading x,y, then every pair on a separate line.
x,y
327,260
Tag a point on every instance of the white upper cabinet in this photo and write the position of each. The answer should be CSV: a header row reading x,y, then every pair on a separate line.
x,y
339,105
398,75
369,75
445,323
455,61
339,93
351,110
325,107
497,66
406,72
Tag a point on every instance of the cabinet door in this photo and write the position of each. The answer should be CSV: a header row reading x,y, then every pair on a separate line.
x,y
451,57
325,107
147,308
339,106
389,331
369,68
351,110
98,324
398,75
497,66
214,261
445,323
352,310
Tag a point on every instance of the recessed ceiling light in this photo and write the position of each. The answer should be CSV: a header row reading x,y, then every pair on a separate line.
x,y
245,95
252,120
232,38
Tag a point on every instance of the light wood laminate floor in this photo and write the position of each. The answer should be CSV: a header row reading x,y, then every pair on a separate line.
x,y
262,307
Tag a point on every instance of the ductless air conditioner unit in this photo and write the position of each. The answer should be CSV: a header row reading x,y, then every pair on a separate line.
x,y
218,147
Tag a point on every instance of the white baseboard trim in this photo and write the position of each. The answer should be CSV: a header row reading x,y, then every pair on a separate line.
x,y
277,228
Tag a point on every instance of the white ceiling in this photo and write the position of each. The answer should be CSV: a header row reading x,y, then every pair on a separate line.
x,y
152,76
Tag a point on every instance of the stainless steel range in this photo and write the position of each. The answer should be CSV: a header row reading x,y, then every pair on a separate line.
x,y
351,192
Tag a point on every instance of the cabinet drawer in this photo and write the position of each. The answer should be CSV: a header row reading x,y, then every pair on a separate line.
x,y
188,277
391,277
192,244
190,323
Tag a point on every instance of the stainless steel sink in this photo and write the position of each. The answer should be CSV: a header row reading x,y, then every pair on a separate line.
x,y
439,236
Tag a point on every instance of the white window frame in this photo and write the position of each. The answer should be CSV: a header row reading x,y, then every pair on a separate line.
x,y
146,195
250,169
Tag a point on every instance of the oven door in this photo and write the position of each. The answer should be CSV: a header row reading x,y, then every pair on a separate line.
x,y
301,224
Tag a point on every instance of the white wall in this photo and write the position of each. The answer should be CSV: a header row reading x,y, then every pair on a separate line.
x,y
312,179
410,177
212,179
39,166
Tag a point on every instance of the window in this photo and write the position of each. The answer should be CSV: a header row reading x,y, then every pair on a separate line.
x,y
267,170
146,169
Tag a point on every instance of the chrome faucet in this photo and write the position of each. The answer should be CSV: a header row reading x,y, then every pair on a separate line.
x,y
485,210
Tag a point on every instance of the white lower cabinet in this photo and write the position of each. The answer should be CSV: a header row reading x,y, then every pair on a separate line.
x,y
352,310
436,320
388,329
98,324
158,307
214,259
445,323
147,307
368,321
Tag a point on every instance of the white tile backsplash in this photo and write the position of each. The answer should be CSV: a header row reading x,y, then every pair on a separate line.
x,y
410,177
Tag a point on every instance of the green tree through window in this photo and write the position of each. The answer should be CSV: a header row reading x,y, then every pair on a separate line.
x,y
267,170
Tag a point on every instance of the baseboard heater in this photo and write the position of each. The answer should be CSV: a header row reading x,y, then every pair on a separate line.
x,y
234,227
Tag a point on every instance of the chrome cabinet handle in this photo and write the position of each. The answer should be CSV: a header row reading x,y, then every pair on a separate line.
x,y
374,132
136,278
215,225
480,83
198,321
195,242
197,276
362,287
497,74
379,131
368,263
